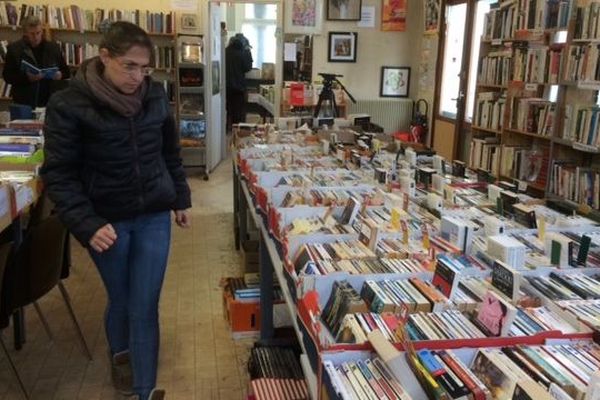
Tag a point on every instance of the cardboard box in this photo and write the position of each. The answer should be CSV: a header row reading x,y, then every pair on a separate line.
x,y
250,256
243,317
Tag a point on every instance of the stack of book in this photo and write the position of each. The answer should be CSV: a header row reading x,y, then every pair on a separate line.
x,y
344,299
275,373
494,68
363,379
533,115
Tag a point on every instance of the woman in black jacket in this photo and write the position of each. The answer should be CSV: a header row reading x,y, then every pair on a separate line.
x,y
113,169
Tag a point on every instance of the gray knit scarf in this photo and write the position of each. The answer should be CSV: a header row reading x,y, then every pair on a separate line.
x,y
128,105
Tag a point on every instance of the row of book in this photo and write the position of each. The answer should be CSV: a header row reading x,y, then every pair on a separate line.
x,y
536,64
79,19
582,124
326,197
489,111
484,153
519,372
519,162
578,184
495,68
367,378
507,17
566,287
562,371
275,373
533,115
587,21
76,53
582,63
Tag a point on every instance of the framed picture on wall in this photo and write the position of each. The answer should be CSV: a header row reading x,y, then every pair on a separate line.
x,y
189,22
432,16
342,46
303,16
395,81
343,10
393,15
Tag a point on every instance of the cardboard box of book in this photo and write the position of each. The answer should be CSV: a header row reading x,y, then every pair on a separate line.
x,y
243,314
250,256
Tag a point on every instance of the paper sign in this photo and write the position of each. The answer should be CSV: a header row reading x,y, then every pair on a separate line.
x,y
184,5
289,52
367,17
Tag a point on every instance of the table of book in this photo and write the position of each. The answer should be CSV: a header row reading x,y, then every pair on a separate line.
x,y
258,173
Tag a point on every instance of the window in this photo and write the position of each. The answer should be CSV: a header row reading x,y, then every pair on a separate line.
x,y
455,30
258,25
482,7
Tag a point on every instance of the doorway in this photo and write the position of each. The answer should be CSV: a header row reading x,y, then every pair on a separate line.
x,y
258,22
457,68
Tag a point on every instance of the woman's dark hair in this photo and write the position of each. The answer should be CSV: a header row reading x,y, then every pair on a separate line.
x,y
119,37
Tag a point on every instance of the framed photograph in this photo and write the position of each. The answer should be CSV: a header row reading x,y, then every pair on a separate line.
x,y
303,16
393,15
395,81
189,22
343,10
432,16
342,46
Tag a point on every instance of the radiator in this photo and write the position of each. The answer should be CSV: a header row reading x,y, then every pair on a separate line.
x,y
391,115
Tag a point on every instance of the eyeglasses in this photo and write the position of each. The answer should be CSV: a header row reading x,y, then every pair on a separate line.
x,y
134,69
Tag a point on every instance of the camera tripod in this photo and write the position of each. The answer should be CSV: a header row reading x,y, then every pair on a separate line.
x,y
327,93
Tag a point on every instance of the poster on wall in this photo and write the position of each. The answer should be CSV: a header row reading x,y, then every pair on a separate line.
x,y
432,16
303,16
393,15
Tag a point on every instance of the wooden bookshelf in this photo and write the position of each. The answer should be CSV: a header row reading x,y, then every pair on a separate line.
x,y
530,134
517,42
479,128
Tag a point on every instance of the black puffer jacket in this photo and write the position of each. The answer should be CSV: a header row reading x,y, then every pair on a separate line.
x,y
102,167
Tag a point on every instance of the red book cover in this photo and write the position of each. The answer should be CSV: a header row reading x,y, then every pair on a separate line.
x,y
462,375
297,94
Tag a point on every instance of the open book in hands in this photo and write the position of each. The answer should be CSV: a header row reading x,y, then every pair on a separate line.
x,y
47,73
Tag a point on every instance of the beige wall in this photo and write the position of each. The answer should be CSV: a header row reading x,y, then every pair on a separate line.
x,y
375,49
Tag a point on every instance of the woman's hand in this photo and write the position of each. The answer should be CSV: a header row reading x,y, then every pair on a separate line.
x,y
104,238
182,218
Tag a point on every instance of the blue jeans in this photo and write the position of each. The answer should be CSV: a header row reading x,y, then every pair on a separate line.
x,y
132,271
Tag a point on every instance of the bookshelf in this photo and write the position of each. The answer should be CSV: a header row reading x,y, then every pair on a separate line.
x,y
530,42
191,99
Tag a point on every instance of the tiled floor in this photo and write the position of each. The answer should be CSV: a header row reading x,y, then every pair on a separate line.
x,y
198,358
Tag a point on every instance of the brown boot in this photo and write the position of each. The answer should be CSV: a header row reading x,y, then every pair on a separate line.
x,y
122,376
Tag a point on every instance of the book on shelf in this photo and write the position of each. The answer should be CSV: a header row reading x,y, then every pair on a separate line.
x,y
536,64
489,109
578,184
533,115
76,18
495,67
485,154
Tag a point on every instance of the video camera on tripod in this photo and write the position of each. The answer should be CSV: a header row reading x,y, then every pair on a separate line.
x,y
327,93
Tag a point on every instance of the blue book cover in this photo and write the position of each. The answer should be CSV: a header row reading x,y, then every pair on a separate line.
x,y
48,73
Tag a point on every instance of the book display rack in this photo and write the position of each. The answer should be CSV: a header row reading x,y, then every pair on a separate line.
x,y
413,277
535,117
